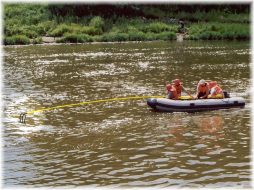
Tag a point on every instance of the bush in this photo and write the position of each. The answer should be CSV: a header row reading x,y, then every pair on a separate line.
x,y
242,35
44,27
229,35
137,36
115,37
132,29
60,30
166,36
151,36
197,16
17,39
218,31
210,35
97,38
90,30
9,41
76,29
75,38
37,40
184,16
124,28
31,33
97,22
26,13
156,27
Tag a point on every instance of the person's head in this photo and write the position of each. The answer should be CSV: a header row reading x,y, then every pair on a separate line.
x,y
177,82
202,82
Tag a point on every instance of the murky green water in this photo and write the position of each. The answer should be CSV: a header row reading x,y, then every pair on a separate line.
x,y
123,143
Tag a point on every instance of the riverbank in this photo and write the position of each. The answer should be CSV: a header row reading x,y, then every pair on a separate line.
x,y
50,41
37,24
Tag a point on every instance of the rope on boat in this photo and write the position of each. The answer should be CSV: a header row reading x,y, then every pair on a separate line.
x,y
22,117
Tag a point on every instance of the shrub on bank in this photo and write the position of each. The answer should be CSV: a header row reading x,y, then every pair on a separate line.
x,y
9,41
37,40
210,35
151,36
158,27
115,37
166,36
60,30
44,27
16,40
97,22
91,30
219,31
75,38
137,36
30,32
242,35
97,38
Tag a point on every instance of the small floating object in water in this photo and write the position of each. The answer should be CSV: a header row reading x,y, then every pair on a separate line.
x,y
22,117
169,105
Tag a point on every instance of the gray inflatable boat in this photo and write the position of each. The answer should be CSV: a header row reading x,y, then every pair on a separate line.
x,y
168,105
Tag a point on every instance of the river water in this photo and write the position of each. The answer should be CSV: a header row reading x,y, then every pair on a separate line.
x,y
123,143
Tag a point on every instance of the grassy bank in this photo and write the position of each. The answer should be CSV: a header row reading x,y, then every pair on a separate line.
x,y
28,23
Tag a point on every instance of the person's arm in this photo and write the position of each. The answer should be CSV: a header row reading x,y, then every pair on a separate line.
x,y
184,89
197,92
166,83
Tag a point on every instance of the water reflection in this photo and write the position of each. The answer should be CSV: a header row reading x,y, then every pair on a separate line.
x,y
211,131
210,125
207,126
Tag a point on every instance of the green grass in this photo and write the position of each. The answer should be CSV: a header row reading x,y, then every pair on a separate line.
x,y
37,40
75,38
158,27
16,40
219,31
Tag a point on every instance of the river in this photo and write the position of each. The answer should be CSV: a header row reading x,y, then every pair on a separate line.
x,y
123,143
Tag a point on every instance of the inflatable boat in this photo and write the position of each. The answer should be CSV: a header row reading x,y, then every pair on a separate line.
x,y
168,105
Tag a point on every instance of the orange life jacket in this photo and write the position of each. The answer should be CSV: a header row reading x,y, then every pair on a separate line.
x,y
212,84
173,90
202,89
217,89
178,89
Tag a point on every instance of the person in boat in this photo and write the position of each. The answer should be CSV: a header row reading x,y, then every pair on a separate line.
x,y
171,91
202,90
215,90
179,88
